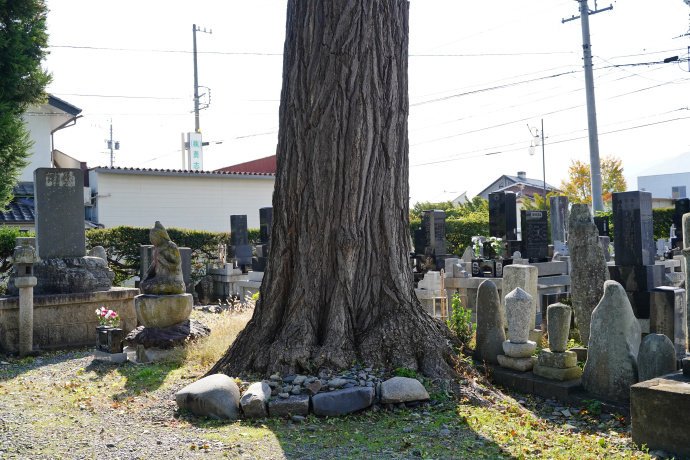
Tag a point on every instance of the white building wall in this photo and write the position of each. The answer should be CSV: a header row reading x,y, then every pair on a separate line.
x,y
189,202
661,185
39,133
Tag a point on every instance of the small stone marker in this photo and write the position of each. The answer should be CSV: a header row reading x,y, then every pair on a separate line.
x,y
657,357
589,270
491,323
518,350
525,277
556,362
611,366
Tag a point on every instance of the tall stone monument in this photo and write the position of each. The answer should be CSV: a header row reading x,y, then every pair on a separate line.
x,y
239,250
682,208
61,239
589,270
491,323
503,216
433,239
633,241
535,235
559,218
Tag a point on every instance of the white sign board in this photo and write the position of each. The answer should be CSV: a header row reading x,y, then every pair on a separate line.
x,y
196,154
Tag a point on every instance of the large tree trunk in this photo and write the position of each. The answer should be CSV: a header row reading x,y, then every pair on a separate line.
x,y
338,285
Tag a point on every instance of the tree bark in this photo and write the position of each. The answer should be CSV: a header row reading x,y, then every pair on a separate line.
x,y
338,285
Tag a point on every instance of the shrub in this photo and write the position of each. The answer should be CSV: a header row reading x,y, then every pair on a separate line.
x,y
122,243
460,322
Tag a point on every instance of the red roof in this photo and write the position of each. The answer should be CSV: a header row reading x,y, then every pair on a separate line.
x,y
265,165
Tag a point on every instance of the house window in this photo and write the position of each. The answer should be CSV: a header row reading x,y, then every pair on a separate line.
x,y
678,192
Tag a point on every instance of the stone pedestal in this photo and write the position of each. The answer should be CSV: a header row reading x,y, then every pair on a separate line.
x,y
159,311
558,366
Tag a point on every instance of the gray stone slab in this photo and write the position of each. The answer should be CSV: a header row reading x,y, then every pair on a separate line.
x,y
562,360
559,218
254,401
294,405
59,207
343,401
563,374
668,315
633,231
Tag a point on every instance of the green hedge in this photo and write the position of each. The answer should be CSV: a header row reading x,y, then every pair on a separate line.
x,y
663,219
121,245
459,231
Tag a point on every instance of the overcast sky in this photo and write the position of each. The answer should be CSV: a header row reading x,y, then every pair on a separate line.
x,y
480,73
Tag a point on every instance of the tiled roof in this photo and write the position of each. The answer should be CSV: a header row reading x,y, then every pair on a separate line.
x,y
179,171
23,189
19,210
262,165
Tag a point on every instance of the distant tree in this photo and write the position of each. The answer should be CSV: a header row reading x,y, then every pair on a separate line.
x,y
23,40
579,186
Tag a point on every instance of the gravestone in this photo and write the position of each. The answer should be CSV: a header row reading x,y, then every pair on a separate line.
x,y
559,218
682,208
588,267
602,223
667,316
535,234
502,216
239,250
557,362
635,250
518,350
686,256
434,234
265,222
434,227
633,230
657,357
661,247
491,323
59,208
614,343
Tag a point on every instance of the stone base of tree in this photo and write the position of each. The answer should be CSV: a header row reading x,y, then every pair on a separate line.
x,y
168,337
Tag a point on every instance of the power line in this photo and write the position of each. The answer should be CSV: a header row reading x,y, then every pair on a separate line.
x,y
550,143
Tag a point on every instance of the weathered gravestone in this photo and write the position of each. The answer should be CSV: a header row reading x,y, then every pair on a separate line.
x,y
490,323
265,221
556,362
614,343
667,316
503,216
589,271
657,357
526,278
239,250
559,218
535,235
519,349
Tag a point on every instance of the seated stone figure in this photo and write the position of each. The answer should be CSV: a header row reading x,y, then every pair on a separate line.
x,y
164,276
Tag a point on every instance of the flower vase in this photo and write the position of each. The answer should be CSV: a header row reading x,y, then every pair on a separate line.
x,y
110,339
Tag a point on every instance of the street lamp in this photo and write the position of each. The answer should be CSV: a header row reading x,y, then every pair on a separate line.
x,y
537,141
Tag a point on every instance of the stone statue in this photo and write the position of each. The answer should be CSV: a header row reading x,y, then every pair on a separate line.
x,y
164,276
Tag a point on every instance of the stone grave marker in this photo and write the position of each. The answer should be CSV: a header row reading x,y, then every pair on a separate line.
x,y
59,210
602,223
265,222
682,207
589,270
667,316
434,227
633,231
535,234
661,247
502,216
559,218
239,251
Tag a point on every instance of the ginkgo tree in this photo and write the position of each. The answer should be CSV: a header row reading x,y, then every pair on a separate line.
x,y
578,187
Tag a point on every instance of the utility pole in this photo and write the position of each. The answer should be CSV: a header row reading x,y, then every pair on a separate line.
x,y
595,165
112,145
196,78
